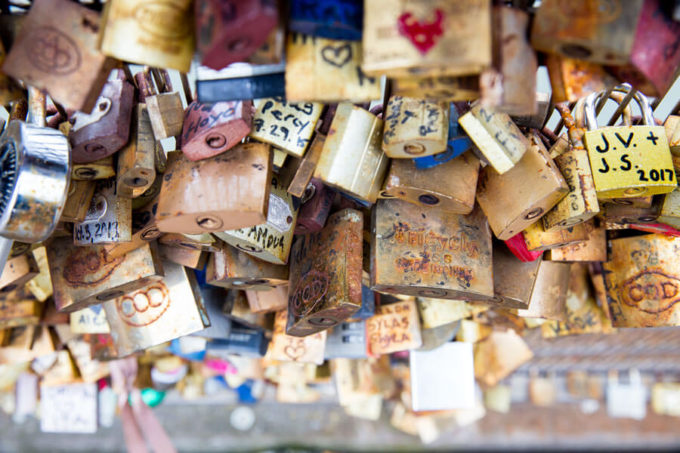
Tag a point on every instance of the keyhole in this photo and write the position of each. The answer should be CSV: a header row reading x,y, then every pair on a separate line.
x,y
216,141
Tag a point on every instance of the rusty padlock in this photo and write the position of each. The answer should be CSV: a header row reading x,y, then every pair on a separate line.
x,y
414,128
233,268
315,208
166,112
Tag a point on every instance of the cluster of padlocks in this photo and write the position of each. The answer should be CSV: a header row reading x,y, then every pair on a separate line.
x,y
345,181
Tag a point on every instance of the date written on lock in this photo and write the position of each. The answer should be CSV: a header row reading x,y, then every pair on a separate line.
x,y
108,218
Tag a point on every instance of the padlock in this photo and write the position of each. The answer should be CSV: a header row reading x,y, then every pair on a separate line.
x,y
442,379
19,308
406,38
549,293
158,34
538,239
269,241
347,340
17,272
188,202
108,218
10,91
572,79
237,309
414,128
106,129
233,268
99,169
641,153
325,275
35,170
231,32
457,143
202,242
41,285
212,86
450,187
303,175
428,252
165,109
672,127
367,301
513,280
627,214
286,125
641,281
56,50
497,356
592,30
211,129
580,204
518,246
655,52
438,312
337,19
78,201
136,161
315,210
437,88
161,311
273,300
394,327
144,222
670,209
90,319
320,69
288,348
543,111
514,200
496,136
352,160
514,62
84,276
594,248
242,340
195,259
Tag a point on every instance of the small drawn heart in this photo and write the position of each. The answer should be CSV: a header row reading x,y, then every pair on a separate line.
x,y
423,35
96,308
337,56
295,352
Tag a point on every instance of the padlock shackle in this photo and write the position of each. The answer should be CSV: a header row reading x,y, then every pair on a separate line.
x,y
642,101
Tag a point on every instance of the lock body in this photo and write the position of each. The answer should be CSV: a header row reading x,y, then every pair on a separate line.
x,y
202,242
437,88
518,198
270,301
538,239
513,280
287,125
670,209
211,129
305,171
406,38
414,128
314,212
450,187
672,127
84,276
289,348
439,312
352,160
642,282
164,310
17,271
572,79
232,268
108,218
457,143
158,34
394,327
549,293
496,136
195,259
336,19
616,213
137,160
593,248
56,50
428,252
77,203
18,308
36,169
320,69
325,275
101,133
231,32
99,169
166,114
188,202
269,241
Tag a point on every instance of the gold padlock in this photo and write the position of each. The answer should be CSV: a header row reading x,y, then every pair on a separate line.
x,y
439,88
629,161
41,285
352,159
137,160
593,248
497,137
498,355
549,293
513,280
17,272
514,200
195,259
414,127
99,169
394,327
233,268
320,69
438,312
450,186
627,214
165,109
538,239
78,201
205,242
19,308
268,301
428,252
670,210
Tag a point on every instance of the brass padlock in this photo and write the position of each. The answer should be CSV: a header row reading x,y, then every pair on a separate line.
x,y
352,160
641,281
518,198
205,242
305,171
325,275
166,112
137,160
164,310
450,186
195,259
56,50
41,285
594,248
188,202
99,169
273,300
158,34
407,37
108,218
497,356
538,239
78,201
269,241
233,268
286,125
319,69
414,127
84,276
513,279
211,129
17,272
439,312
428,252
629,161
394,327
627,214
288,348
106,129
549,293
496,136
438,88
572,79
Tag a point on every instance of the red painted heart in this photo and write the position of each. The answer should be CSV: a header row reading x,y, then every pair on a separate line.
x,y
423,35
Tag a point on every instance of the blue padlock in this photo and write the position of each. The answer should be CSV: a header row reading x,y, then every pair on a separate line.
x,y
457,144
